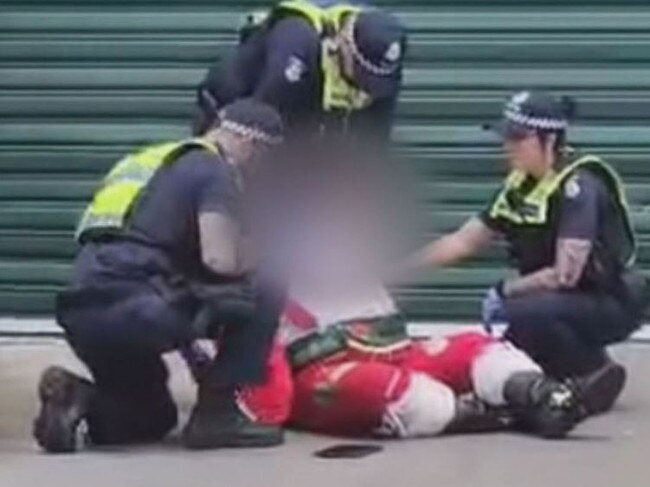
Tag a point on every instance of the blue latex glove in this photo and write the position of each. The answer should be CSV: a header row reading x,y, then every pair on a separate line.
x,y
493,308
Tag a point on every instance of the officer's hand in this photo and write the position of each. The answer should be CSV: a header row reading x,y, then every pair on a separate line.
x,y
493,308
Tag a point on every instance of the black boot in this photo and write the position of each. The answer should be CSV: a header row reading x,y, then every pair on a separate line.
x,y
218,422
544,406
600,388
475,416
60,426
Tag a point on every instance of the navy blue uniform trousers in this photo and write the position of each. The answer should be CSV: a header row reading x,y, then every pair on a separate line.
x,y
566,332
121,329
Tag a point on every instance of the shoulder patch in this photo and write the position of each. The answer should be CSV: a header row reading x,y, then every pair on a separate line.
x,y
572,188
295,69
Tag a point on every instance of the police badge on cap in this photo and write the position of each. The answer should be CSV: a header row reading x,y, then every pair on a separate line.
x,y
377,41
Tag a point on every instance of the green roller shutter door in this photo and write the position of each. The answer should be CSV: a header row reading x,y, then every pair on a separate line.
x,y
81,83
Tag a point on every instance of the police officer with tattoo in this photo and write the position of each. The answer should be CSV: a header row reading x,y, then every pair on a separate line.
x,y
565,219
325,65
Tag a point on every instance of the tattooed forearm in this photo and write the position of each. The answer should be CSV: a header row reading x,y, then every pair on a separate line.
x,y
571,257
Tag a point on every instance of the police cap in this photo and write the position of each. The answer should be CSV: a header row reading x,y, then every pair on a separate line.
x,y
252,119
377,41
529,112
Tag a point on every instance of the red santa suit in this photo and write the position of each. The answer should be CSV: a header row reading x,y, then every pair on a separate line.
x,y
397,387
354,371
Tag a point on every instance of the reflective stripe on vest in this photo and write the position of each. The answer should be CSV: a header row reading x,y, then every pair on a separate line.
x,y
338,94
321,15
327,19
120,189
535,204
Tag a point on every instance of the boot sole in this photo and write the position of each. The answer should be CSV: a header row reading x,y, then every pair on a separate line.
x,y
234,442
63,406
602,391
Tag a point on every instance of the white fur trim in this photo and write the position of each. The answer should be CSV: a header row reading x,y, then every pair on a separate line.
x,y
492,369
424,409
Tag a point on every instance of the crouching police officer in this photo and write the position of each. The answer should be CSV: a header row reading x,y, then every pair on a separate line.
x,y
161,246
566,221
322,64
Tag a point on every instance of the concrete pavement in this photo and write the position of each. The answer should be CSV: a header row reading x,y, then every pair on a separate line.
x,y
606,451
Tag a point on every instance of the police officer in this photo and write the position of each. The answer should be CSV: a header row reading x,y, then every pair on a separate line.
x,y
565,219
162,263
322,64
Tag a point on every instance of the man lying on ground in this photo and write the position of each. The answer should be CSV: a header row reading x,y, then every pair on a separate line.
x,y
353,371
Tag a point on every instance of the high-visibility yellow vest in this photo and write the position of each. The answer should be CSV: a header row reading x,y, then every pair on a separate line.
x,y
113,202
338,93
534,207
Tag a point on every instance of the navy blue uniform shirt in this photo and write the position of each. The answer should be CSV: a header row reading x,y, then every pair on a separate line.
x,y
282,67
584,210
162,237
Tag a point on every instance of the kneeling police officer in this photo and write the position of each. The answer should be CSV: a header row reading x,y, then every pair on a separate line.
x,y
565,219
161,263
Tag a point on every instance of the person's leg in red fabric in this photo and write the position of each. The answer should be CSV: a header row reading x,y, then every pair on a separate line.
x,y
353,398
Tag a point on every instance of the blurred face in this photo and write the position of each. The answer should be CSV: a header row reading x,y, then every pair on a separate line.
x,y
241,150
249,152
527,153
